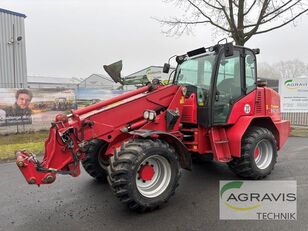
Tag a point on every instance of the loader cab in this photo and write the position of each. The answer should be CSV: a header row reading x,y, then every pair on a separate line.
x,y
218,76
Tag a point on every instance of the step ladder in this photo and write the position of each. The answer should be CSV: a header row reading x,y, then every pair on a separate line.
x,y
220,144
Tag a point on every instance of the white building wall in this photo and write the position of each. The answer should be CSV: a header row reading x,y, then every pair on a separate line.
x,y
98,81
13,69
38,82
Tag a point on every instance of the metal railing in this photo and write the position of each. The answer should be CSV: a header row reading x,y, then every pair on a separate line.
x,y
296,118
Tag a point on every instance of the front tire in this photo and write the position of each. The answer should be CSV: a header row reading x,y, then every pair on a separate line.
x,y
93,163
144,174
258,154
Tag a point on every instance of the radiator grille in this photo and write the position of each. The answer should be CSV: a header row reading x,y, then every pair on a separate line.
x,y
259,102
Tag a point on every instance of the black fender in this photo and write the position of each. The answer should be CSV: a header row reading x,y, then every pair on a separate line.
x,y
180,148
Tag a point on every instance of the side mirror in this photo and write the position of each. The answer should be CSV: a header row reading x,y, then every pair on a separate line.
x,y
166,68
228,49
256,51
114,71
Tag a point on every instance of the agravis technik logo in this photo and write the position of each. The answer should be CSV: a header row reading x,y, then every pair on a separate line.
x,y
269,200
232,197
293,84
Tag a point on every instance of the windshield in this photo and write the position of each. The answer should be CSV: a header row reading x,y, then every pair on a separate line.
x,y
196,71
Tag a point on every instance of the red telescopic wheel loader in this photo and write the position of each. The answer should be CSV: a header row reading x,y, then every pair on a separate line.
x,y
138,141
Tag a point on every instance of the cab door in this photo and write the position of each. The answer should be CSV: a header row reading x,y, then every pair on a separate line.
x,y
228,85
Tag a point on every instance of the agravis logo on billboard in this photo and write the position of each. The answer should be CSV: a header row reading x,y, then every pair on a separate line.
x,y
294,94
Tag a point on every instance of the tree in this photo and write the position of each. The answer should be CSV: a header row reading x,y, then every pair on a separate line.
x,y
292,69
239,19
266,70
283,69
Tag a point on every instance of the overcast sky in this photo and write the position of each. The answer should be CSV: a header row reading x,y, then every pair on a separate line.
x,y
74,38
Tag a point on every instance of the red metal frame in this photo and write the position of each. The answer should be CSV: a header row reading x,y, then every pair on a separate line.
x,y
113,119
107,120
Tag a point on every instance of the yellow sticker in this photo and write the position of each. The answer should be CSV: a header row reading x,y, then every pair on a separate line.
x,y
182,100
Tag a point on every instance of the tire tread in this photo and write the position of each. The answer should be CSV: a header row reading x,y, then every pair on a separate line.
x,y
242,166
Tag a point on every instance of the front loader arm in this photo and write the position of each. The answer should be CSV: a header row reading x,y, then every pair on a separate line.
x,y
110,120
66,143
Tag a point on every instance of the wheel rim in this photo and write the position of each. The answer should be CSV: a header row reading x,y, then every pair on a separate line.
x,y
263,154
153,176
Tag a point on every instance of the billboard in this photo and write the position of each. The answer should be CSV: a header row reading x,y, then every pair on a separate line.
x,y
33,106
24,110
294,94
88,96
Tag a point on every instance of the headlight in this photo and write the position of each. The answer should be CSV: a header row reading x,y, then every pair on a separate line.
x,y
149,115
152,115
146,114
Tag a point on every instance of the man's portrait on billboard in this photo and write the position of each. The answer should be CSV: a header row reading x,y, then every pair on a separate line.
x,y
21,106
19,112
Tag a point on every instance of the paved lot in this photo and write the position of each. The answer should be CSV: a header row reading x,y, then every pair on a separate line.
x,y
82,204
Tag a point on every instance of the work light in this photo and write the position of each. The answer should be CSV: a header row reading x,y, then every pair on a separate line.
x,y
149,115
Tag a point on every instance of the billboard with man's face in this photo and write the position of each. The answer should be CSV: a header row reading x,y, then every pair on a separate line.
x,y
33,106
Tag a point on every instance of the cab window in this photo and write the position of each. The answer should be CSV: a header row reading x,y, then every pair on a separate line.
x,y
250,70
197,72
229,78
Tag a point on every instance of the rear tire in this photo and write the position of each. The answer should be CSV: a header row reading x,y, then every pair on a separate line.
x,y
258,154
139,189
93,164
